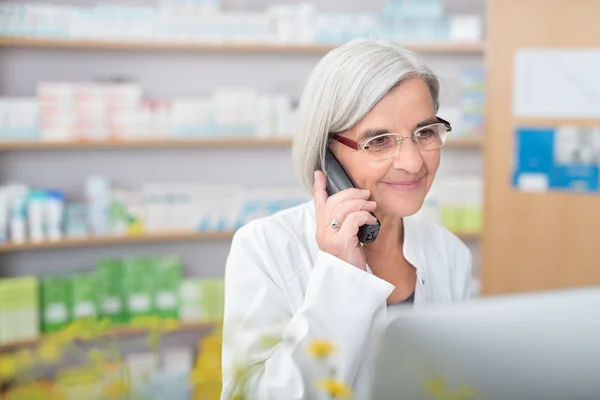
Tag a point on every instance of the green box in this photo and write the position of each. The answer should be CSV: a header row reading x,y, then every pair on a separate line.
x,y
213,292
84,296
19,309
472,220
138,287
111,301
168,280
451,218
55,303
202,300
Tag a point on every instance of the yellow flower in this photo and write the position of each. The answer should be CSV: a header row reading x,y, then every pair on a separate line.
x,y
49,352
438,390
335,389
320,348
8,369
116,390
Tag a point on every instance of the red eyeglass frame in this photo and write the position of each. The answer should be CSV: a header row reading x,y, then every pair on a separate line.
x,y
354,145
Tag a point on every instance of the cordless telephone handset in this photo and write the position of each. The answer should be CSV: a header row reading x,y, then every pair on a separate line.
x,y
337,180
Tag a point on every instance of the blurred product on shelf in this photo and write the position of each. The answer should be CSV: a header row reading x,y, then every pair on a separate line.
x,y
19,309
36,215
122,290
99,111
467,117
206,22
472,101
456,203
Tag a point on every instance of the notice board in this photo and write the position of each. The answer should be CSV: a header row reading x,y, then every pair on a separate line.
x,y
542,206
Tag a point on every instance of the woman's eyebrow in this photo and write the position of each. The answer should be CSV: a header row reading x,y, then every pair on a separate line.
x,y
372,132
425,122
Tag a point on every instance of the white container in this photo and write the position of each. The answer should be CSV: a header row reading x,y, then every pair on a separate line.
x,y
3,215
17,202
54,215
36,205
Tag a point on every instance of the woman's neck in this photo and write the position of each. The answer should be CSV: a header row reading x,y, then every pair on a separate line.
x,y
390,238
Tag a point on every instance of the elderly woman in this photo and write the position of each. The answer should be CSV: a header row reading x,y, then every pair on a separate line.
x,y
302,274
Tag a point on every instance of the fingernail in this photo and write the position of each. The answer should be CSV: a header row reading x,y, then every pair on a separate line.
x,y
366,191
372,203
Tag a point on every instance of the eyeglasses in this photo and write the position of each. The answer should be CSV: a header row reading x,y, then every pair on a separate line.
x,y
387,145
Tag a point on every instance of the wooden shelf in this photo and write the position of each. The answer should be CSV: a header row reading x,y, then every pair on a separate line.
x,y
109,240
464,143
450,48
143,238
174,143
151,143
120,332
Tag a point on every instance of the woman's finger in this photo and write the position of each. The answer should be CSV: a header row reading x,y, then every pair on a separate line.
x,y
354,221
341,210
347,194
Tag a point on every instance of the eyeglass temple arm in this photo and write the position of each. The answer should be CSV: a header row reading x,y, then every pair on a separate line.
x,y
344,140
443,121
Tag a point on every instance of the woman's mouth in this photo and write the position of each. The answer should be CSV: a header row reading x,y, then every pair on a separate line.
x,y
406,185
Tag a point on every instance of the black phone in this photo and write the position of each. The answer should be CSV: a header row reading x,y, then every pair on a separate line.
x,y
338,180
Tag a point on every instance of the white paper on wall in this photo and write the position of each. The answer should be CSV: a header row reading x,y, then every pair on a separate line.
x,y
557,83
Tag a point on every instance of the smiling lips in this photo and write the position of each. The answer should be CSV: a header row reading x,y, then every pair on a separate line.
x,y
406,185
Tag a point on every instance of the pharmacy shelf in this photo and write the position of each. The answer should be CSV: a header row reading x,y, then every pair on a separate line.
x,y
117,239
149,143
187,143
451,48
119,332
144,238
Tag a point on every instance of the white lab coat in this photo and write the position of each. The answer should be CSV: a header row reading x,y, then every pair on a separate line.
x,y
278,284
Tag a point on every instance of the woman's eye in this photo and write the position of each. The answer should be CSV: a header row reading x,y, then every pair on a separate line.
x,y
380,141
426,133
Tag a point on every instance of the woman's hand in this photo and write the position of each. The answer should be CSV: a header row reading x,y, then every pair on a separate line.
x,y
351,208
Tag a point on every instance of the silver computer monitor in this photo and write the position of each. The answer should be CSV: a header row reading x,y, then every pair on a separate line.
x,y
518,347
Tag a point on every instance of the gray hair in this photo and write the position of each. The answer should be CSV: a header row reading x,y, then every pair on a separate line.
x,y
343,87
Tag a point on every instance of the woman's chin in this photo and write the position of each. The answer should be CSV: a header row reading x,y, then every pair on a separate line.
x,y
402,207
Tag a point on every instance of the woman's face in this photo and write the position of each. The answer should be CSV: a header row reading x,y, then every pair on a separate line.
x,y
397,184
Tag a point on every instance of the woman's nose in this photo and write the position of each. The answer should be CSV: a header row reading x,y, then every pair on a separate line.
x,y
408,157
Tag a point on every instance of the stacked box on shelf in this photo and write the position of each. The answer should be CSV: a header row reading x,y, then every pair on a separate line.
x,y
110,294
416,20
455,202
168,274
84,296
19,309
19,118
461,207
139,287
202,299
472,101
56,306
